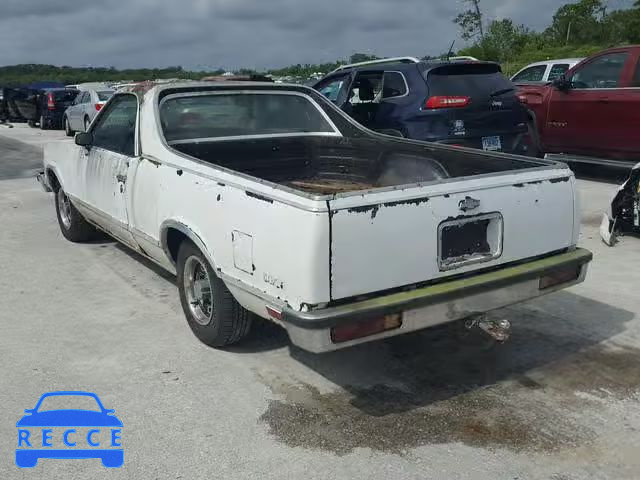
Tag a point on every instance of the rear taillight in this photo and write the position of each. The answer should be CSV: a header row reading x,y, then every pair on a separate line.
x,y
51,104
347,333
440,101
558,277
98,107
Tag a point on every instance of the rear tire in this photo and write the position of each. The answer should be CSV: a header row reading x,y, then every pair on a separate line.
x,y
43,123
214,316
67,127
534,150
72,224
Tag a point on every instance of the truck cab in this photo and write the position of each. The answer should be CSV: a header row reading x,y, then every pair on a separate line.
x,y
591,114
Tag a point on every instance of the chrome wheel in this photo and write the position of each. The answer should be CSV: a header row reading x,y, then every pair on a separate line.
x,y
64,207
198,291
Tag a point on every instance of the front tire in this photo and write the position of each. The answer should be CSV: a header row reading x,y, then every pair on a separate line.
x,y
72,224
214,316
43,123
67,127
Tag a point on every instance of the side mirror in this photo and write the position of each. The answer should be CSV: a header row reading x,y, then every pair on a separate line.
x,y
562,84
84,139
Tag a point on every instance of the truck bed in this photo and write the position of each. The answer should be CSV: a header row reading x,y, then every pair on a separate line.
x,y
333,165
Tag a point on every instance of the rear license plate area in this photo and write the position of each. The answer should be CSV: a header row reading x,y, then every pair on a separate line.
x,y
492,144
469,240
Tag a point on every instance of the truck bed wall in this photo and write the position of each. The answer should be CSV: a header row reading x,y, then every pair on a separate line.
x,y
339,164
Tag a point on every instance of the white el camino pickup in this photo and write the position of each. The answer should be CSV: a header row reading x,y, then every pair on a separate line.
x,y
266,199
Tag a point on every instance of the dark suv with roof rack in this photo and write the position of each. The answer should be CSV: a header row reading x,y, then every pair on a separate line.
x,y
466,103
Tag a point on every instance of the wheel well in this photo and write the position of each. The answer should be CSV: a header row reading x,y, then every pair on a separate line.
x,y
174,239
53,181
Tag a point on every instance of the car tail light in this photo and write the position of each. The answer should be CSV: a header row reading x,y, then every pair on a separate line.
x,y
447,102
51,104
98,107
273,313
559,277
523,99
367,328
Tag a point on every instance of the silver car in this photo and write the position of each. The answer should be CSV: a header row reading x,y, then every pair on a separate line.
x,y
86,106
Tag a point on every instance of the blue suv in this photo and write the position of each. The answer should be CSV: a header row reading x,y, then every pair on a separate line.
x,y
464,103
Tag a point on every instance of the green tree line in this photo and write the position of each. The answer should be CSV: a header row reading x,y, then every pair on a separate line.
x,y
577,29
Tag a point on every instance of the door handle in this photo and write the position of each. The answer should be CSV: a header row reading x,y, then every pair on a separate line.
x,y
121,178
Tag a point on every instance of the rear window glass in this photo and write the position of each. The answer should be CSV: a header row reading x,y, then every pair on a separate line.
x,y
467,80
104,96
65,96
210,117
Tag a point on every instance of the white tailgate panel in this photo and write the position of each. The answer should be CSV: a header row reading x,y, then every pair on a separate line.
x,y
397,245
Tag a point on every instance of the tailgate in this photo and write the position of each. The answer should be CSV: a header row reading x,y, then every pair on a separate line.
x,y
386,240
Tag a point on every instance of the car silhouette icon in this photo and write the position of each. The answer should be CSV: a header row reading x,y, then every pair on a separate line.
x,y
98,419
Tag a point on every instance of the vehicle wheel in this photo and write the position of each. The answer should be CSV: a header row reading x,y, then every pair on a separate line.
x,y
43,123
534,147
73,226
31,124
67,127
215,317
87,122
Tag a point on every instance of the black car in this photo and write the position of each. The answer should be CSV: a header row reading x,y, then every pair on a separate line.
x,y
464,103
51,105
19,104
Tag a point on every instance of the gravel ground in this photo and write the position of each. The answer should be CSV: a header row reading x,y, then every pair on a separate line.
x,y
559,401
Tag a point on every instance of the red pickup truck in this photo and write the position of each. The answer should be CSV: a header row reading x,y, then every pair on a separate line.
x,y
592,113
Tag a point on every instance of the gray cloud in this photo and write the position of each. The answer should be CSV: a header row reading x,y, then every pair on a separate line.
x,y
233,33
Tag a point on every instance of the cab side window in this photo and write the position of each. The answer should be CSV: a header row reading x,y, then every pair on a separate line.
x,y
531,74
115,129
603,72
558,70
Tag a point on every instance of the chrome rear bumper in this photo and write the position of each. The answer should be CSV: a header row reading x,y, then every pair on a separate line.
x,y
435,304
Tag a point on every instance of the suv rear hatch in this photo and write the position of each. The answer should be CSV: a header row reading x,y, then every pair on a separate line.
x,y
403,237
477,106
60,100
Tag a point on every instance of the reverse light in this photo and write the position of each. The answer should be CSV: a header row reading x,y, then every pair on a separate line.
x,y
51,104
353,331
559,277
98,107
447,102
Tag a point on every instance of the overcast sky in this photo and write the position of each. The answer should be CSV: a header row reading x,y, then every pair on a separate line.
x,y
237,33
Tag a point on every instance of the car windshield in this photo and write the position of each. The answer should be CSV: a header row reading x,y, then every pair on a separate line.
x,y
186,118
69,402
105,95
